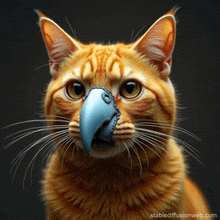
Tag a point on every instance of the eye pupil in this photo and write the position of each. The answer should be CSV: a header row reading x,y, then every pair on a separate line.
x,y
75,90
78,88
130,87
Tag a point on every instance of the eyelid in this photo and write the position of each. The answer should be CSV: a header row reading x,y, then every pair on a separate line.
x,y
141,78
74,78
67,78
116,87
131,80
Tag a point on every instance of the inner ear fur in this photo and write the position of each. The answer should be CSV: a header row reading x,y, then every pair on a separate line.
x,y
59,44
157,43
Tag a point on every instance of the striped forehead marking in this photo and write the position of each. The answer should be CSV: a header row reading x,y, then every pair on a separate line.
x,y
129,73
102,61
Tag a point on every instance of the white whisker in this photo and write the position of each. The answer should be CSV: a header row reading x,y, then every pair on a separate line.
x,y
74,148
154,141
48,154
158,134
73,32
57,117
67,148
162,125
33,128
62,138
129,155
22,136
47,64
135,140
21,155
33,121
138,32
148,141
139,159
26,149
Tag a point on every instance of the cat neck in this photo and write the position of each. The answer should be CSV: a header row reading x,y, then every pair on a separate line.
x,y
90,187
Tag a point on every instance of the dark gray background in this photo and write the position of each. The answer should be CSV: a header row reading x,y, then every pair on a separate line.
x,y
195,74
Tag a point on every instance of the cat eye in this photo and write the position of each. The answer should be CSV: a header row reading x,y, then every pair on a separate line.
x,y
130,89
75,90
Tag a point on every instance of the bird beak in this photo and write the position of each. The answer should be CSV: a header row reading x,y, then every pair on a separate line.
x,y
98,117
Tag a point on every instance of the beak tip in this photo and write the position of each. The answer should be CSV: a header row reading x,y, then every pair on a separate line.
x,y
99,107
87,151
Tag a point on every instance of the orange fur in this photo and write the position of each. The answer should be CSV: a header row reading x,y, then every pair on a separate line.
x,y
78,186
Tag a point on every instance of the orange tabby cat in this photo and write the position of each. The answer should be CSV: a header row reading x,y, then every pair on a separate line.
x,y
120,160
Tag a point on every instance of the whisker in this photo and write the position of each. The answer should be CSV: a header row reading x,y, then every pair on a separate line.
x,y
32,121
153,144
56,116
135,140
26,149
129,155
161,125
48,154
157,133
184,143
19,137
73,32
153,140
196,157
137,154
138,33
62,163
132,33
74,148
61,139
21,155
33,128
53,146
33,159
47,64
148,146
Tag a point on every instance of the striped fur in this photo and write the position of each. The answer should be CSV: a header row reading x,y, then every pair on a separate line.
x,y
78,186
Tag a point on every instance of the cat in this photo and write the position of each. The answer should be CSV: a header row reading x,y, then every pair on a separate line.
x,y
112,110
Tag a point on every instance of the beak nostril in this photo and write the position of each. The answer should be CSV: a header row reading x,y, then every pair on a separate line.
x,y
106,97
98,118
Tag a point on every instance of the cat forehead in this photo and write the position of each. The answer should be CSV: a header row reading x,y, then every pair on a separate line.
x,y
115,76
104,62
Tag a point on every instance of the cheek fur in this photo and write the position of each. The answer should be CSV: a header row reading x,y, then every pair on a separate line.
x,y
66,107
141,106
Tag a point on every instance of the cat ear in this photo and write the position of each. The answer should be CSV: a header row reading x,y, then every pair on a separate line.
x,y
58,43
158,42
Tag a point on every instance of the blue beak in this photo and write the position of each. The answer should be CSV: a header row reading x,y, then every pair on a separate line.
x,y
98,117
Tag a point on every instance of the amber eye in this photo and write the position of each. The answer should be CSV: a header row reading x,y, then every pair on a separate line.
x,y
75,90
130,89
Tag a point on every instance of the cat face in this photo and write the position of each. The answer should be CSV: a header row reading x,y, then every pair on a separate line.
x,y
137,76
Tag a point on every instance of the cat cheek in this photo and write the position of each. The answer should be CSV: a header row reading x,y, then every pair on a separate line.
x,y
64,106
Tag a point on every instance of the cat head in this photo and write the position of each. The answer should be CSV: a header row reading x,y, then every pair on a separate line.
x,y
135,75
